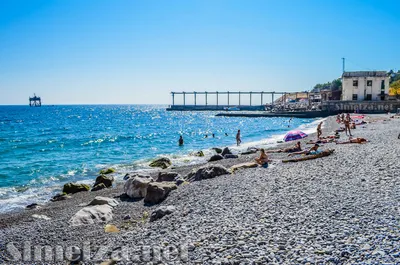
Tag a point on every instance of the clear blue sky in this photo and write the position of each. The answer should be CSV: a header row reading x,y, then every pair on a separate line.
x,y
127,51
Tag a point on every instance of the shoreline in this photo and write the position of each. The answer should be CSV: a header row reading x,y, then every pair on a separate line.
x,y
179,160
292,213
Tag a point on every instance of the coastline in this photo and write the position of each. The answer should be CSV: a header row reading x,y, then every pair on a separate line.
x,y
332,200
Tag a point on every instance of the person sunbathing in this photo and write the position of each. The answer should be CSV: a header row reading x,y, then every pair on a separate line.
x,y
312,151
321,141
263,159
295,148
358,140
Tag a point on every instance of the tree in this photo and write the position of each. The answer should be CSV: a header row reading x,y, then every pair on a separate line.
x,y
395,89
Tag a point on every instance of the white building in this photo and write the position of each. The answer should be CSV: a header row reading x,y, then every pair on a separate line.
x,y
365,85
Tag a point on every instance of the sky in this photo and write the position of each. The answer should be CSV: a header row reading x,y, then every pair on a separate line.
x,y
137,52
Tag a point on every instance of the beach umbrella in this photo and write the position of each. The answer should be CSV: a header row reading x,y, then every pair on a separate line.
x,y
294,135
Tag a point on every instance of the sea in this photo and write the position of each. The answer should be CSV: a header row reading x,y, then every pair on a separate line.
x,y
42,148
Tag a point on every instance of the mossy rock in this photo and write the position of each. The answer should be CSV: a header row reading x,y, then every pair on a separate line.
x,y
99,186
107,171
71,188
162,162
199,154
102,179
217,150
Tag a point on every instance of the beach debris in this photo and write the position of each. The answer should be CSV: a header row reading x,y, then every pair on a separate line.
x,y
235,168
206,172
136,187
215,158
226,151
107,171
310,157
167,176
102,179
158,191
41,216
111,229
71,188
229,156
162,162
92,214
33,206
60,197
99,200
161,211
217,150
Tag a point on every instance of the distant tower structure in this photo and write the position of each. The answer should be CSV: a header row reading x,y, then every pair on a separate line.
x,y
35,101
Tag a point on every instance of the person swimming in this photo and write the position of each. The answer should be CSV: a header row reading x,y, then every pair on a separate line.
x,y
180,140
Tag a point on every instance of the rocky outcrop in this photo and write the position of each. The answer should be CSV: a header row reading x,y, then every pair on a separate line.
x,y
162,162
71,188
99,200
158,191
226,151
228,156
92,214
206,172
167,176
136,187
215,158
234,168
160,212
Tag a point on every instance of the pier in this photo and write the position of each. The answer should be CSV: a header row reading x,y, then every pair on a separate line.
x,y
35,101
255,101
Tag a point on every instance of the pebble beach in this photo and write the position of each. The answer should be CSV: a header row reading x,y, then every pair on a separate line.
x,y
339,209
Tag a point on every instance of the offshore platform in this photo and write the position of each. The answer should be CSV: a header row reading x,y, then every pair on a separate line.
x,y
35,101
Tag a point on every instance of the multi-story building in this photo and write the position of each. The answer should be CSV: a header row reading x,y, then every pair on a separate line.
x,y
365,85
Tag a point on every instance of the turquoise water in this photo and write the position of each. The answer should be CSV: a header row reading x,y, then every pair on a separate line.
x,y
43,148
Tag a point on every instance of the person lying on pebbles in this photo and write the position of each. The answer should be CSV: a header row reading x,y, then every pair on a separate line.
x,y
295,148
312,151
358,140
321,141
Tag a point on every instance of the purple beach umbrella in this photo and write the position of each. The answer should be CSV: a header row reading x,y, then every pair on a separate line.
x,y
294,135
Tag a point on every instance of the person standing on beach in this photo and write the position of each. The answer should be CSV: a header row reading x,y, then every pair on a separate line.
x,y
343,117
319,130
238,140
180,140
347,125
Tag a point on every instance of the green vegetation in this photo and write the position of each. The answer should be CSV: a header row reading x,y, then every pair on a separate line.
x,y
335,85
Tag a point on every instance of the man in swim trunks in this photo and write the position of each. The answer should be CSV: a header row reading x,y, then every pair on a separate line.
x,y
319,130
312,151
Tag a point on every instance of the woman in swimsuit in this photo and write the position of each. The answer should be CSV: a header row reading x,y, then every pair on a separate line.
x,y
295,148
312,151
263,159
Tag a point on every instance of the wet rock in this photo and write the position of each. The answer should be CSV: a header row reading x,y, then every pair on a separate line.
x,y
230,156
226,151
33,206
102,179
206,172
217,150
162,162
100,186
71,188
215,158
158,191
107,171
160,212
60,197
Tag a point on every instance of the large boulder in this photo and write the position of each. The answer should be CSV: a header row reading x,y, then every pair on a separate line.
x,y
206,172
136,187
217,150
162,162
99,200
226,151
70,188
227,156
92,214
167,176
215,158
161,211
234,168
158,191
102,179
